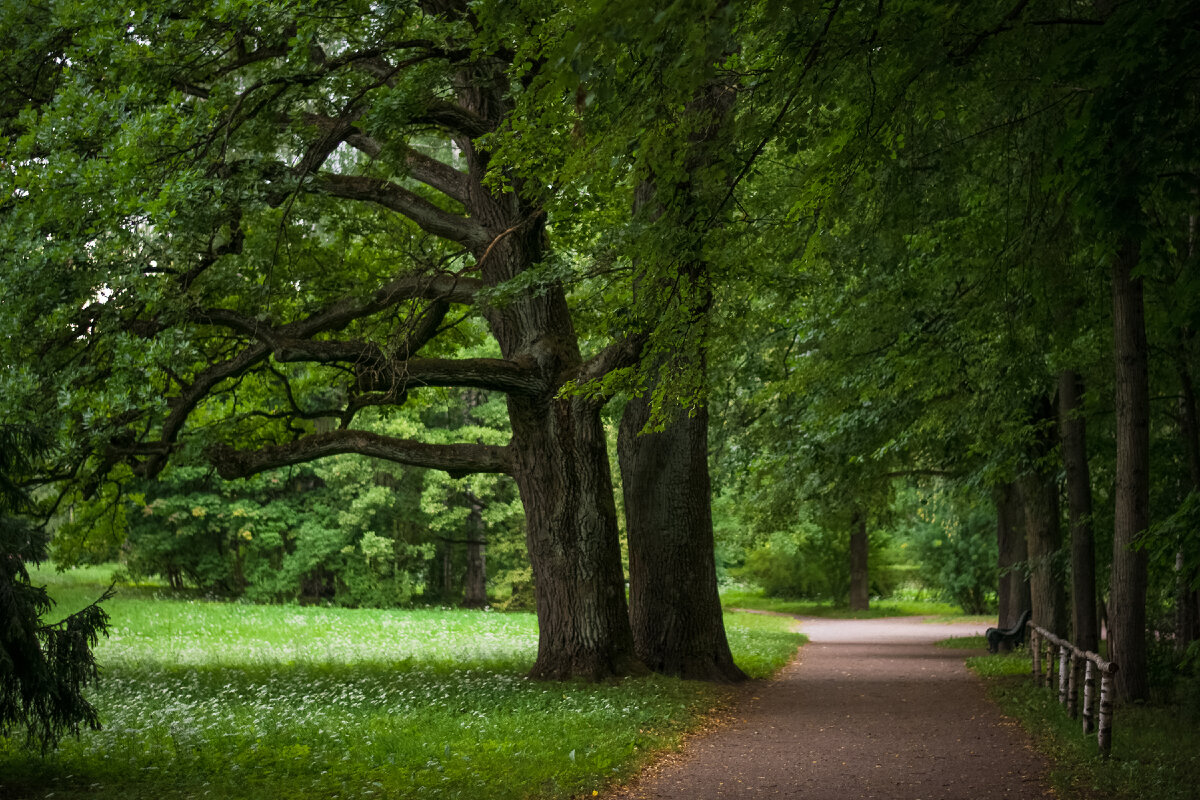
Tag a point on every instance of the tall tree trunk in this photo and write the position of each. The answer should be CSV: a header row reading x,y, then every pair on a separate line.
x,y
675,611
475,581
571,534
1127,606
561,465
1039,496
562,474
1072,429
1043,530
678,627
860,581
1013,592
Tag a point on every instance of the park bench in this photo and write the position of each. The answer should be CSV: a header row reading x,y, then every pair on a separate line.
x,y
1007,636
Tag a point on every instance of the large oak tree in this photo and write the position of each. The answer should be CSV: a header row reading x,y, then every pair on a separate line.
x,y
261,217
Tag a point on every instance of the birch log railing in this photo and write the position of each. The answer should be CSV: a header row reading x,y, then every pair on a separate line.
x,y
1069,662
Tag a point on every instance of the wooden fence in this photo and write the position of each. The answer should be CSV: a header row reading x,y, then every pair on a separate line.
x,y
1070,661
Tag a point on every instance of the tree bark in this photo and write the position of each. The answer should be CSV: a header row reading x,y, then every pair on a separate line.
x,y
675,610
860,581
1073,432
560,459
1013,592
561,467
571,535
475,581
1127,606
1039,496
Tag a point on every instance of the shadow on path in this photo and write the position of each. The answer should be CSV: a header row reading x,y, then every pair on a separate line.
x,y
869,709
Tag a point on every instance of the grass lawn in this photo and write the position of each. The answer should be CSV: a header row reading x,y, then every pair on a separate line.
x,y
232,700
944,612
1155,750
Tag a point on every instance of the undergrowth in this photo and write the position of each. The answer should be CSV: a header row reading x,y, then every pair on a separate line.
x,y
241,701
1155,748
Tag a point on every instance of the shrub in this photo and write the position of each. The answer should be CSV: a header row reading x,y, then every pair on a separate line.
x,y
953,539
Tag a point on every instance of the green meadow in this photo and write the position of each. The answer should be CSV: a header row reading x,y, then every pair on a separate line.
x,y
228,700
888,607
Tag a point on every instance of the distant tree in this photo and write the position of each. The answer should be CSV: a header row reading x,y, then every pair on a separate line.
x,y
952,537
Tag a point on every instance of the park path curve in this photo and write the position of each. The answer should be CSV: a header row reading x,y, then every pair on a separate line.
x,y
869,709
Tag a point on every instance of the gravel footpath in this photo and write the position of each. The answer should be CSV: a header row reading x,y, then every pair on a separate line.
x,y
869,709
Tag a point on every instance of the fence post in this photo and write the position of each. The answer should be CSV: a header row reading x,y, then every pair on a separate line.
x,y
1044,657
1089,696
1104,733
1073,686
1064,671
1051,664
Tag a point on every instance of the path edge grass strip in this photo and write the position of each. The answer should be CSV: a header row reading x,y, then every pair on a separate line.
x,y
1156,751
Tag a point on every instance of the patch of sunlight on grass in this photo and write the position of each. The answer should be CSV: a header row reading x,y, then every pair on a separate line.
x,y
740,598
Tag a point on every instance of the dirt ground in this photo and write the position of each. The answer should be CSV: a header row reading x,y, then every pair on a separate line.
x,y
870,709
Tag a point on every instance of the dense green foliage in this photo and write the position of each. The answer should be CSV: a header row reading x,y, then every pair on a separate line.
x,y
933,540
914,228
347,530
248,701
44,666
284,536
952,538
813,562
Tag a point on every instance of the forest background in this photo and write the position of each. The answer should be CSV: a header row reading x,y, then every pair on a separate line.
x,y
822,285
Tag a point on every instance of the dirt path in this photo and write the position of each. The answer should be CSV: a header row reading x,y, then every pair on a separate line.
x,y
870,709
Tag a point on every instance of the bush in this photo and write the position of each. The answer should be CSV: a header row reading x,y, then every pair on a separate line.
x,y
331,533
953,539
813,562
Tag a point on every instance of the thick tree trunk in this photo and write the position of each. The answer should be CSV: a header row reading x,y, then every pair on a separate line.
x,y
563,476
1127,606
1013,591
678,627
860,581
560,458
571,534
1072,429
475,581
1039,496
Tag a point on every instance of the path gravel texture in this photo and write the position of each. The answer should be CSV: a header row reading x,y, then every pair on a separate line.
x,y
869,709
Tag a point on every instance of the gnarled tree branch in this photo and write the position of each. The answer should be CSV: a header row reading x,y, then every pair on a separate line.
x,y
456,459
441,288
421,167
619,354
425,214
455,119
